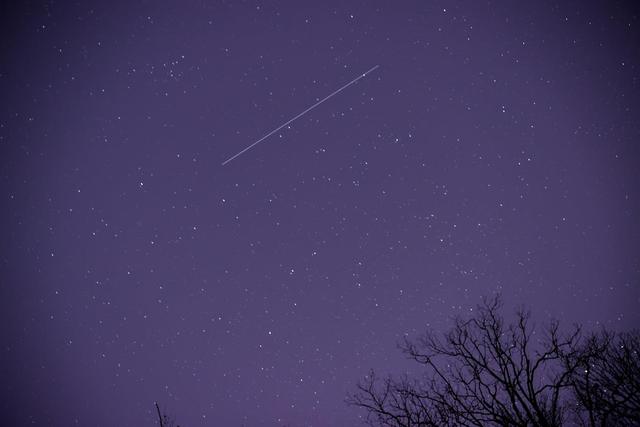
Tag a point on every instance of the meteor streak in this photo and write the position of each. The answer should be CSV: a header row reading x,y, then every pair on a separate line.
x,y
299,115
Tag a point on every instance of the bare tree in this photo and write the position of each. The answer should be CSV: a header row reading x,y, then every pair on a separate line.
x,y
482,372
607,384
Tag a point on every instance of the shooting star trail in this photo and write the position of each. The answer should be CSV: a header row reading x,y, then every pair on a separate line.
x,y
299,115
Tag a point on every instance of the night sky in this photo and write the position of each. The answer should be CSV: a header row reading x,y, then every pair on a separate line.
x,y
494,149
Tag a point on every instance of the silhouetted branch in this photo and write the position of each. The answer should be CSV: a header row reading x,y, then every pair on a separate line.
x,y
159,414
164,419
485,372
606,382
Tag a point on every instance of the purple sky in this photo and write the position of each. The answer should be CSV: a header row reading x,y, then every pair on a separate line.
x,y
494,149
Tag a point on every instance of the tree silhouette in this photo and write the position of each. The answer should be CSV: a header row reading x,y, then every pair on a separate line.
x,y
607,384
486,372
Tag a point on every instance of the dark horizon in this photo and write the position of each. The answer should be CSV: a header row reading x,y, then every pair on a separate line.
x,y
494,150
